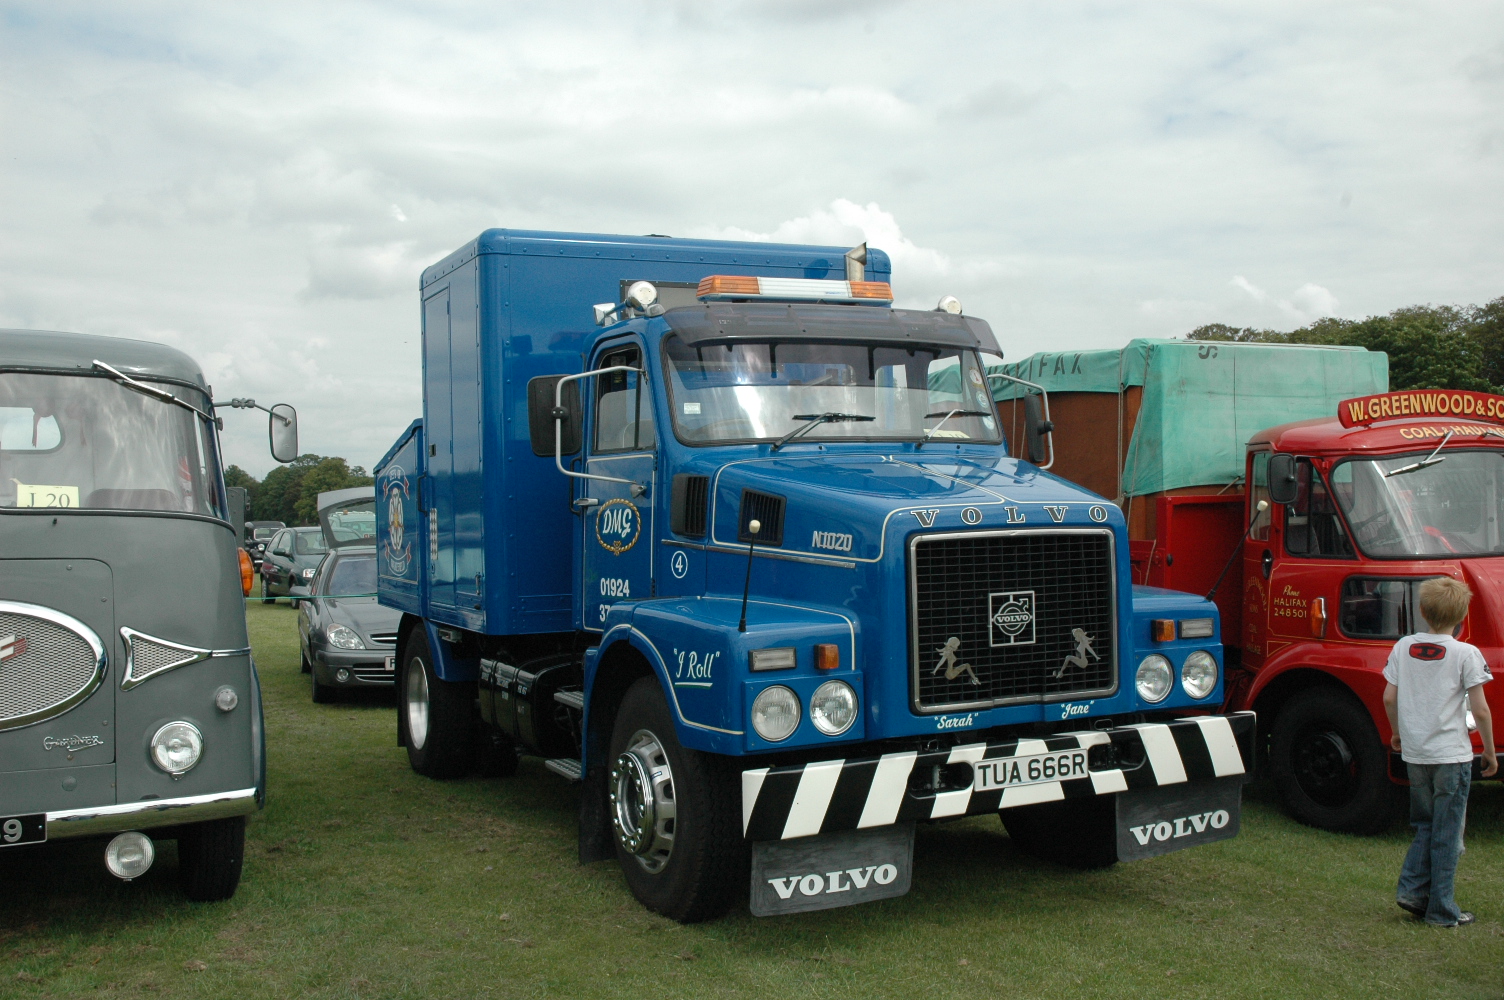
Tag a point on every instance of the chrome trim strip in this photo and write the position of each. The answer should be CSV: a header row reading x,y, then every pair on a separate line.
x,y
84,632
194,655
149,814
1112,561
759,553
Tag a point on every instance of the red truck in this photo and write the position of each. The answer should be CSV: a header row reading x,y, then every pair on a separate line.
x,y
1359,506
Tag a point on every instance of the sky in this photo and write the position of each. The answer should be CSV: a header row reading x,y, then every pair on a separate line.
x,y
260,184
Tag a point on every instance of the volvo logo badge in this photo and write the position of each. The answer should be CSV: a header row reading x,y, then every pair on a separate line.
x,y
1011,614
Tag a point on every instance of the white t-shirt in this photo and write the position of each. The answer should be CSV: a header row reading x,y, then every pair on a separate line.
x,y
1433,673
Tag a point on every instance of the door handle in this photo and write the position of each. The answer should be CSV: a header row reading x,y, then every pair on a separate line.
x,y
584,503
1268,563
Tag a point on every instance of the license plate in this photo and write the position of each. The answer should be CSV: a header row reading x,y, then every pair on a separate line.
x,y
389,664
1034,769
23,829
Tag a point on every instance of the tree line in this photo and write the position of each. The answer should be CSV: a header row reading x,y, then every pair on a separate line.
x,y
1429,347
290,493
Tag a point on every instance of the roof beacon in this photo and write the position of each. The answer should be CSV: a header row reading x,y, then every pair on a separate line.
x,y
731,286
949,304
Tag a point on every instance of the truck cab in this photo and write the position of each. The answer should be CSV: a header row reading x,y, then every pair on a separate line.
x,y
749,557
1359,512
129,701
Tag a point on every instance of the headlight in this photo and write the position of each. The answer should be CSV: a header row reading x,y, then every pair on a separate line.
x,y
177,747
129,855
344,638
1199,674
1155,678
308,574
775,713
832,708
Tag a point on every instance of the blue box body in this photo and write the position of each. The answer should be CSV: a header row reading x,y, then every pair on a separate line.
x,y
479,534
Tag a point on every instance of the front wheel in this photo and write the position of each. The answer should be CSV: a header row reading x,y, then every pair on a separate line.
x,y
266,597
323,694
1329,766
209,858
436,715
1077,833
675,814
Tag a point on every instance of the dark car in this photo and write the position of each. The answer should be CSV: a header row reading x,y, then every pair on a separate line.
x,y
258,534
289,563
347,638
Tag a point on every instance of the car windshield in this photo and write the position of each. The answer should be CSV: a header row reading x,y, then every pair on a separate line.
x,y
310,543
1447,509
353,523
265,532
352,576
763,391
79,441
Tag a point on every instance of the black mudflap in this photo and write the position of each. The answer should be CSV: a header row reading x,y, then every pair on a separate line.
x,y
1155,821
831,869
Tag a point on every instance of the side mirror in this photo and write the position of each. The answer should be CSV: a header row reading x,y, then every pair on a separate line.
x,y
1036,429
540,416
1283,486
283,431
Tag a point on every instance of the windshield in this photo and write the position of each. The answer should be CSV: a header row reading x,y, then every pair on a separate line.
x,y
69,441
354,523
262,533
1452,508
352,576
760,392
310,543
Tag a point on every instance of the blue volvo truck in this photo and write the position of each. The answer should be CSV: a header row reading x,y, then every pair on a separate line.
x,y
724,537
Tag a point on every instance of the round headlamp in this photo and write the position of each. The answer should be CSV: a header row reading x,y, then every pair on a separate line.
x,y
775,713
176,747
832,708
1154,678
642,294
1198,676
343,637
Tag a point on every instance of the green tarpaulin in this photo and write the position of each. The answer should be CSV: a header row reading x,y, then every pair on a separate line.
x,y
1203,401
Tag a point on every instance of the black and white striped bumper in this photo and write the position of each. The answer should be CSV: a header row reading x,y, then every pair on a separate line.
x,y
800,800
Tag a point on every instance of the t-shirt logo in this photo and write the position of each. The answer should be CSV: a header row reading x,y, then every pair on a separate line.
x,y
1427,651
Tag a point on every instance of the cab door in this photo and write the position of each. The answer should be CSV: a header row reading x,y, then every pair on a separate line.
x,y
1313,547
618,527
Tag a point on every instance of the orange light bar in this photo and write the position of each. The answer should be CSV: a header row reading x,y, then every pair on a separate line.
x,y
1318,617
247,573
1162,630
871,290
827,656
728,284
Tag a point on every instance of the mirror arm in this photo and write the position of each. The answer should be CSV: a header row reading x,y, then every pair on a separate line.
x,y
1045,393
560,413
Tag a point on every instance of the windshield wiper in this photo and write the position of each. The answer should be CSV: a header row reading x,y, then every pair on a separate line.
x,y
815,420
947,414
150,390
1424,463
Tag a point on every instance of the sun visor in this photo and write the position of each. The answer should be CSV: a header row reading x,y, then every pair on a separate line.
x,y
728,322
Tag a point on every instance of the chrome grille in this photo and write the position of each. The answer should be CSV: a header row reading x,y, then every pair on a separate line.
x,y
151,657
49,662
1042,585
384,638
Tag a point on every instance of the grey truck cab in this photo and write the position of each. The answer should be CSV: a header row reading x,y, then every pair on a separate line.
x,y
129,703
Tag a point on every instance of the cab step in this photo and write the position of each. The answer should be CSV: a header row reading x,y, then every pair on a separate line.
x,y
572,699
566,767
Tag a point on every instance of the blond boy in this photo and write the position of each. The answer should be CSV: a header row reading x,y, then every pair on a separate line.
x,y
1433,680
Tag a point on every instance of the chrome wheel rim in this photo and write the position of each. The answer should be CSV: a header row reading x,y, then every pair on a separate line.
x,y
643,809
417,704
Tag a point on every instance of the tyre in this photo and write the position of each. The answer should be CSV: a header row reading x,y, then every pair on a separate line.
x,y
438,716
1329,766
209,858
1077,833
323,694
495,753
675,813
307,667
266,597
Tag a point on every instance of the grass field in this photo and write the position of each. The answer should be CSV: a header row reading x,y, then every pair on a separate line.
x,y
364,880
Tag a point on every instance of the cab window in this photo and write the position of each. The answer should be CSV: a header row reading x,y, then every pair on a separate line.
x,y
1380,608
1258,489
623,412
1312,526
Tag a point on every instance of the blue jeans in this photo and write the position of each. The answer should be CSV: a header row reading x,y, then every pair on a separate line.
x,y
1438,807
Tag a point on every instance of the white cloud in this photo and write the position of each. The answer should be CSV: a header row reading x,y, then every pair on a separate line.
x,y
1254,291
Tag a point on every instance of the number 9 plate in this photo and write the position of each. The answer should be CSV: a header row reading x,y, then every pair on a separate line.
x,y
1009,772
23,829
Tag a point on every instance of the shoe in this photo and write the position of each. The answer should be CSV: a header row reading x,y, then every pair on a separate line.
x,y
1463,919
1414,909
